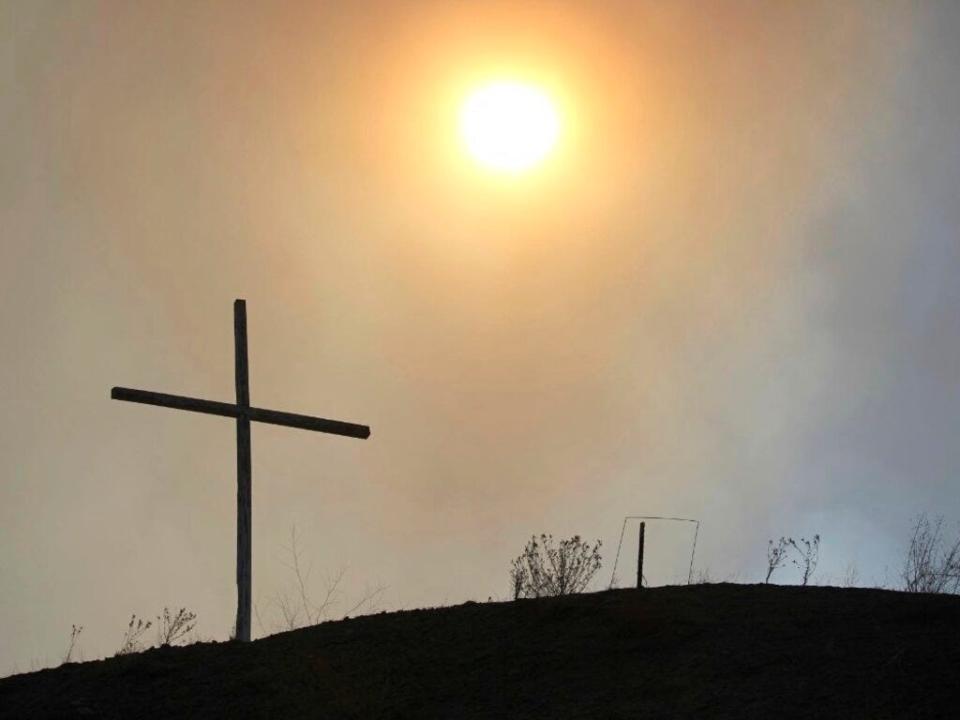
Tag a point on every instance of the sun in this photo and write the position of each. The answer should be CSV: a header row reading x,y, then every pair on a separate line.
x,y
509,127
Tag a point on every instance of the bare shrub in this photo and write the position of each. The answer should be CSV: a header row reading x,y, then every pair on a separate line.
x,y
547,570
133,637
173,627
932,565
776,555
74,636
297,607
809,555
291,608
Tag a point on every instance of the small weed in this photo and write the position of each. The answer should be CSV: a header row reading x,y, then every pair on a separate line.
x,y
172,627
132,638
74,635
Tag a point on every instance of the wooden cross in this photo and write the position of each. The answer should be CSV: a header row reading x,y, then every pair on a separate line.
x,y
244,413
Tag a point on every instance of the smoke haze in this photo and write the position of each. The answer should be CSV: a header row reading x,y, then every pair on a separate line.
x,y
731,295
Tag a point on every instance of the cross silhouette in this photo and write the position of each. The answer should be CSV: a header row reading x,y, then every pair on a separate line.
x,y
244,413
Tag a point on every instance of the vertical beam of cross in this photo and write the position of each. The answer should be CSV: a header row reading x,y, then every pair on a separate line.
x,y
244,473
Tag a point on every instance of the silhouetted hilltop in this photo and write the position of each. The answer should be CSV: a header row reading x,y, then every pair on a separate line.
x,y
707,651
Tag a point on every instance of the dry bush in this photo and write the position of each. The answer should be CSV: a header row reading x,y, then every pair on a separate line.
x,y
808,552
931,565
546,570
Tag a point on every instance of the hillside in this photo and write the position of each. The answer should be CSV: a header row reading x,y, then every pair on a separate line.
x,y
707,651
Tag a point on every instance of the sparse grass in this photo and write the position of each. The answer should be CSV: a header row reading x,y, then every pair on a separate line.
x,y
703,577
931,565
851,575
171,628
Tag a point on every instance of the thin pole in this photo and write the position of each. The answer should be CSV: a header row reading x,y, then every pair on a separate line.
x,y
244,503
693,552
643,526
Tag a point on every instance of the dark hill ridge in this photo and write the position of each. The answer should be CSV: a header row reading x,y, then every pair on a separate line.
x,y
707,651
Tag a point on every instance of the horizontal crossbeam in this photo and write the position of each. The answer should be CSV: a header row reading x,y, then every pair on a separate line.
x,y
212,407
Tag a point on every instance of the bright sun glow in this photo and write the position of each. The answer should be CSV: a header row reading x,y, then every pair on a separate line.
x,y
509,127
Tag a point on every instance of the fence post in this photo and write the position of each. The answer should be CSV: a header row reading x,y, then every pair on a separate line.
x,y
640,557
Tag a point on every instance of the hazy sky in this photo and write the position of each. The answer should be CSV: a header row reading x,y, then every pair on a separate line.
x,y
731,294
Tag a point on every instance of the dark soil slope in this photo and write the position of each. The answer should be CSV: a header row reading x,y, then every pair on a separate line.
x,y
709,651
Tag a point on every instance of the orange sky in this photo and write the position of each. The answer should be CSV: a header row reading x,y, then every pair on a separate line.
x,y
721,297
